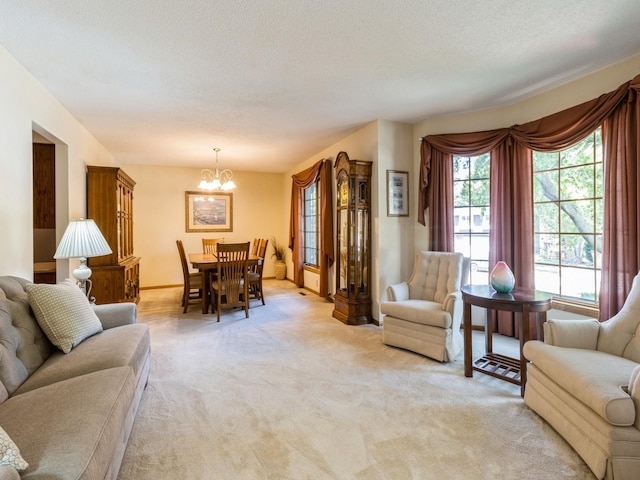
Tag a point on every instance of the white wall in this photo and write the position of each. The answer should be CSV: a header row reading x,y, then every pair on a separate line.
x,y
159,217
393,237
25,106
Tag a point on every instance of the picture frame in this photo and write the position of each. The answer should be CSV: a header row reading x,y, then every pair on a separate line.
x,y
397,193
208,212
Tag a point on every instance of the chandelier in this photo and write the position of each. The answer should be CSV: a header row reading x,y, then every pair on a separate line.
x,y
216,180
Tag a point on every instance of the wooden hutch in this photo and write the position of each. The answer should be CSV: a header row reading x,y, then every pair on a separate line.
x,y
110,204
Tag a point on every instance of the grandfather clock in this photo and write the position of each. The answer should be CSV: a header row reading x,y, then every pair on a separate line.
x,y
353,284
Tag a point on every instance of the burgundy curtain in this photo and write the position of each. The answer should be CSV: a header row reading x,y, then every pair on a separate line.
x,y
511,234
621,249
511,186
321,173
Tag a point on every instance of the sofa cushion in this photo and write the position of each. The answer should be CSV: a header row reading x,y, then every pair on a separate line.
x,y
64,313
595,378
9,452
69,430
127,345
418,311
23,344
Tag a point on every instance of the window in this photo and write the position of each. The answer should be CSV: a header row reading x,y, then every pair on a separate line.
x,y
568,219
471,213
311,224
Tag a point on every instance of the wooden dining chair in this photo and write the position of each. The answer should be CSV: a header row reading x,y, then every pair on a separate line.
x,y
193,281
230,288
255,274
209,244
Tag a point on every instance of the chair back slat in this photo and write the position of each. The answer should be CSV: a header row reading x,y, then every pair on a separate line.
x,y
231,285
209,245
183,261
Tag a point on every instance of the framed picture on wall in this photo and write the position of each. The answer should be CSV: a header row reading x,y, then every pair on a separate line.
x,y
208,212
397,193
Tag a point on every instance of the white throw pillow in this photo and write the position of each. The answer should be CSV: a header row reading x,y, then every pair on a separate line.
x,y
9,453
63,312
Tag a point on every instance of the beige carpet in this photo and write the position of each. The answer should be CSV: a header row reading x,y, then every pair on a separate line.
x,y
292,393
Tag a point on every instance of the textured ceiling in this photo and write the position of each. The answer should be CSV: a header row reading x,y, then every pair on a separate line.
x,y
274,82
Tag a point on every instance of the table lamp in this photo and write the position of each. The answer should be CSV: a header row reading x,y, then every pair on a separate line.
x,y
82,239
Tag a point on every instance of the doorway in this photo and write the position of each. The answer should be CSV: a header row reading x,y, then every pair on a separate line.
x,y
44,210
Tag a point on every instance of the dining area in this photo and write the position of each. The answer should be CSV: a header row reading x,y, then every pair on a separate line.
x,y
223,275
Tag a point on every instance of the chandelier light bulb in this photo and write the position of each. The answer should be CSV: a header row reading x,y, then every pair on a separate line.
x,y
216,180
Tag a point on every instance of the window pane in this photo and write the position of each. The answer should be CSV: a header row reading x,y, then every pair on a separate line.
x,y
546,249
579,283
545,186
599,186
461,194
480,166
461,168
546,217
480,247
577,216
579,154
544,161
577,183
577,250
311,217
479,192
547,278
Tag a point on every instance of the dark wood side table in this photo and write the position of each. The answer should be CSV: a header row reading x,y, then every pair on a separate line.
x,y
520,301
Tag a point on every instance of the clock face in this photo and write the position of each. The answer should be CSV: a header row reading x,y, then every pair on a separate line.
x,y
343,193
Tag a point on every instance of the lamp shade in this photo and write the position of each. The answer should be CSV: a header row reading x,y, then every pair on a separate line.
x,y
82,239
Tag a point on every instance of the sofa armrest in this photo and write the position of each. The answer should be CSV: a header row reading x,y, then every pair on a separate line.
x,y
116,314
398,293
572,333
634,391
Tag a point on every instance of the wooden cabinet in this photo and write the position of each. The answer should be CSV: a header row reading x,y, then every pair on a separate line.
x,y
110,204
353,229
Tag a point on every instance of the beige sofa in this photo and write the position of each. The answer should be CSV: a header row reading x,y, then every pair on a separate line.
x,y
70,414
585,381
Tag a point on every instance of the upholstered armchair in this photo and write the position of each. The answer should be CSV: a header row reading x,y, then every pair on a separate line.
x,y
584,379
424,313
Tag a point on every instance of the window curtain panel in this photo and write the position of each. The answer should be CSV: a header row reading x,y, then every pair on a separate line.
x,y
511,186
321,172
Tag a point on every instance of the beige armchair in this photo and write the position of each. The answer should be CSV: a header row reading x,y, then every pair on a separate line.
x,y
585,381
424,313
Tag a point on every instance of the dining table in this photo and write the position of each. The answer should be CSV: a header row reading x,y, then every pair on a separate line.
x,y
206,263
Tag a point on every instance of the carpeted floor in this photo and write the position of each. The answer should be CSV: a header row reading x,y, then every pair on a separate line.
x,y
291,393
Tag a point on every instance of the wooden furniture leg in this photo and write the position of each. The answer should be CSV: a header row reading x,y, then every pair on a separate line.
x,y
468,349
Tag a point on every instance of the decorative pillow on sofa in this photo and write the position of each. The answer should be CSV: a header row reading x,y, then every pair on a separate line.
x,y
63,312
9,453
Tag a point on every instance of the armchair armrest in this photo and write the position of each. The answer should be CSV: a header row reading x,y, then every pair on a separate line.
x,y
398,292
451,300
8,473
634,392
116,314
454,305
572,333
